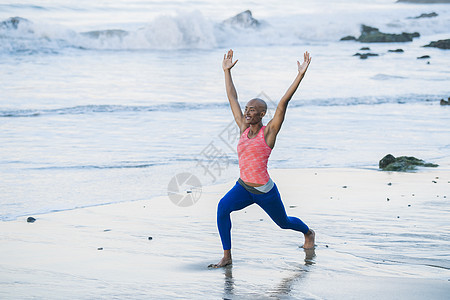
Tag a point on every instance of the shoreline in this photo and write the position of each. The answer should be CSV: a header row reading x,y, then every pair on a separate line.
x,y
152,248
443,168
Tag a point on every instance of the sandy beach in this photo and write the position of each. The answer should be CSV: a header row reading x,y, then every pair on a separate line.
x,y
379,235
104,104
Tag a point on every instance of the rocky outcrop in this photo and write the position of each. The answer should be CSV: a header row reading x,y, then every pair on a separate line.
x,y
374,35
385,161
243,19
443,102
402,163
441,44
424,1
430,15
348,38
13,23
397,51
423,57
364,55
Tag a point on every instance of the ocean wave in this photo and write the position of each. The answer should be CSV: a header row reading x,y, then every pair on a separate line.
x,y
192,30
387,77
93,109
185,106
183,31
124,165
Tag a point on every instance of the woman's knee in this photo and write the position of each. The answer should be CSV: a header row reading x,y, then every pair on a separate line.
x,y
284,225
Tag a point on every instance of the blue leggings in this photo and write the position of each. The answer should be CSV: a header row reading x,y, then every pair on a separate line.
x,y
238,198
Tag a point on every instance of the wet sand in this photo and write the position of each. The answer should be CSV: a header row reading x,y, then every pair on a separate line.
x,y
379,235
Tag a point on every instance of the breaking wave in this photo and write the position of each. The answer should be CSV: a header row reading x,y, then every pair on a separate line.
x,y
192,30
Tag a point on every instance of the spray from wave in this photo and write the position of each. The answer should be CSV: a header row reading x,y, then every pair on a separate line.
x,y
183,31
192,30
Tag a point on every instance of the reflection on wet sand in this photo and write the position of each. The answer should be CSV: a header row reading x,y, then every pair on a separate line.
x,y
229,282
284,288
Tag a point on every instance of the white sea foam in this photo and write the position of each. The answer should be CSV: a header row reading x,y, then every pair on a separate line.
x,y
194,30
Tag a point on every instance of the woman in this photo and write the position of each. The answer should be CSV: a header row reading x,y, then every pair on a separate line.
x,y
255,145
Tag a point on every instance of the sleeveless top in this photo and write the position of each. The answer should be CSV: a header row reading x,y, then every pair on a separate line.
x,y
253,155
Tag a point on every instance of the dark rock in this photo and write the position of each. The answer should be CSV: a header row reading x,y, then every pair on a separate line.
x,y
243,19
397,50
430,15
441,44
365,55
365,48
100,248
373,35
443,102
150,238
31,220
344,187
13,23
424,57
361,56
385,161
424,1
348,38
402,163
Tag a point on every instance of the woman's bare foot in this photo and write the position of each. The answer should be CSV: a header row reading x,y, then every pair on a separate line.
x,y
310,238
222,263
225,261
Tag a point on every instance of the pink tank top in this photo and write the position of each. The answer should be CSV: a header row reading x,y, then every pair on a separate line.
x,y
253,155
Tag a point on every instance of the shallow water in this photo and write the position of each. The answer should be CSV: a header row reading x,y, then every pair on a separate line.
x,y
93,118
89,120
